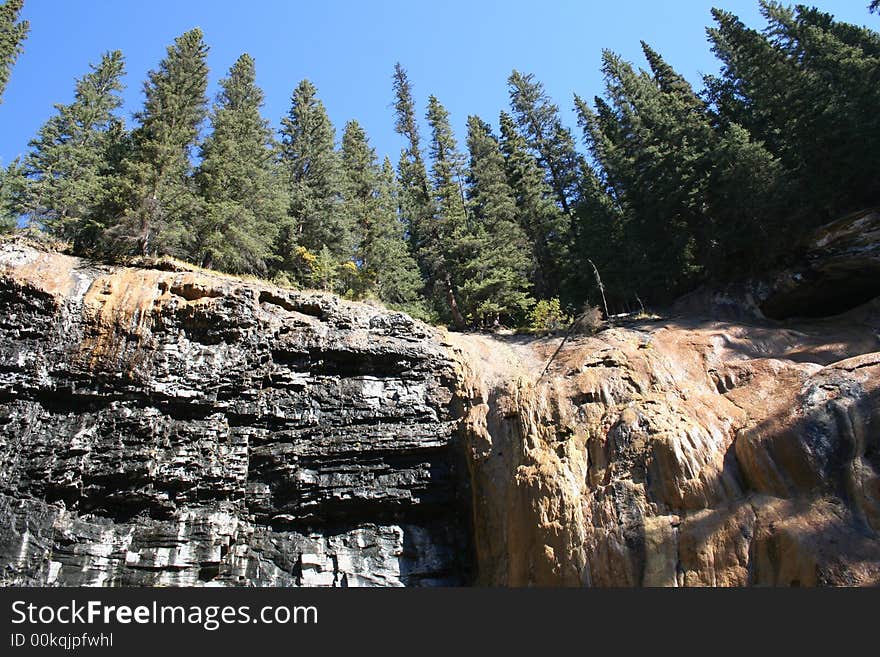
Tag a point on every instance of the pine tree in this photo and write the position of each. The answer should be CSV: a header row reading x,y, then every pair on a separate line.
x,y
415,197
239,180
537,214
386,269
657,161
391,269
161,202
70,167
747,195
12,183
445,241
311,169
360,179
806,87
551,142
600,224
13,32
676,193
495,275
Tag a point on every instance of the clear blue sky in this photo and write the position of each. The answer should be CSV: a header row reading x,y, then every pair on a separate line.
x,y
461,51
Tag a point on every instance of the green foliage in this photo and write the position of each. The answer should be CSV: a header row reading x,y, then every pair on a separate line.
x,y
445,239
495,271
13,32
676,191
72,170
311,169
324,274
537,214
548,317
239,180
159,202
382,263
677,187
808,88
12,183
415,198
551,142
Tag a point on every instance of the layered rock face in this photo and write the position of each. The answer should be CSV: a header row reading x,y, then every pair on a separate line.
x,y
179,428
184,428
678,453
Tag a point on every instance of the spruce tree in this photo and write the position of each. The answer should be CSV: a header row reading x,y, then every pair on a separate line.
x,y
676,190
806,87
160,201
445,243
658,164
415,196
70,169
537,213
386,269
239,180
495,274
311,170
13,32
360,179
12,182
551,142
391,270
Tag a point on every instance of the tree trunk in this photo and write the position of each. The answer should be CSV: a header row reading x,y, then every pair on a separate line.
x,y
457,318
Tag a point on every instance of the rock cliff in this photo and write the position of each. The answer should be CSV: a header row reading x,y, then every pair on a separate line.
x,y
179,428
187,428
678,453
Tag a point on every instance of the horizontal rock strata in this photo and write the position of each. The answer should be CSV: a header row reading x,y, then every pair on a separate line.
x,y
176,427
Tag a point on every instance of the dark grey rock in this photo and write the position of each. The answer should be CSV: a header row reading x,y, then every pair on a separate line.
x,y
180,428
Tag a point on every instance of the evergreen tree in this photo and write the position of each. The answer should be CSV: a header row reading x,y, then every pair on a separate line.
x,y
415,196
807,88
675,185
550,141
239,180
537,213
391,269
360,180
600,225
311,169
70,167
445,242
747,195
160,200
385,268
495,275
13,32
12,182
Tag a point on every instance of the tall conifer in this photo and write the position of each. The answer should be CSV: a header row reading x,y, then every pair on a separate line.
x,y
13,32
238,178
311,169
495,274
70,169
161,203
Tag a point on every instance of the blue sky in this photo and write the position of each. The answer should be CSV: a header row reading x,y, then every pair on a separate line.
x,y
461,51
